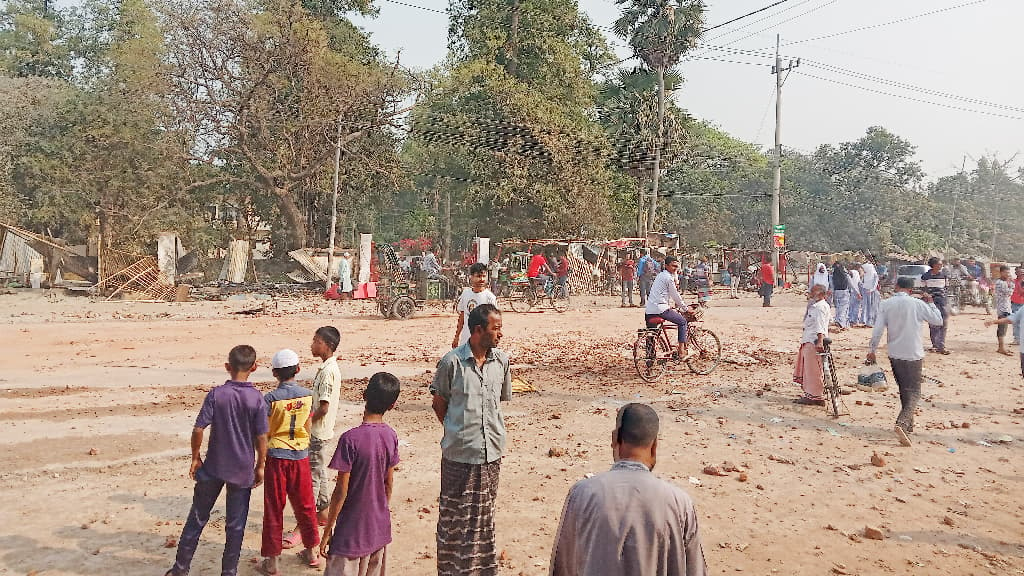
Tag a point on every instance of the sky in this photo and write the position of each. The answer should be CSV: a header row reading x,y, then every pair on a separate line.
x,y
948,82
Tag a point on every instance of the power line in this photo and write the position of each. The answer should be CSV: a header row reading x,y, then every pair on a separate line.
x,y
910,98
912,87
748,25
777,24
747,15
890,23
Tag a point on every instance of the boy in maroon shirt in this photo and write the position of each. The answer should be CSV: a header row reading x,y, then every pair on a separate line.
x,y
235,457
359,523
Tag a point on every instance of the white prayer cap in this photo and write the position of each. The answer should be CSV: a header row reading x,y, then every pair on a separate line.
x,y
284,359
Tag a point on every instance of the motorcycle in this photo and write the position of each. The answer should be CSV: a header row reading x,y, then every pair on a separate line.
x,y
970,292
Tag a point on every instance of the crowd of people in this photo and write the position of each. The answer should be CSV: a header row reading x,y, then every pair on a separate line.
x,y
279,440
915,301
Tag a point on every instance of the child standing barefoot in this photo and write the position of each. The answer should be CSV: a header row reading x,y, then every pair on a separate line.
x,y
354,543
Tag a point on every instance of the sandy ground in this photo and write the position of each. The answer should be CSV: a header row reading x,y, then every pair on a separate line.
x,y
124,381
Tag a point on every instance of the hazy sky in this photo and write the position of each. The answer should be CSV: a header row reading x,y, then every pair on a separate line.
x,y
968,54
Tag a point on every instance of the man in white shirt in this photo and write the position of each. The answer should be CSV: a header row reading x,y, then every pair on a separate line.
x,y
808,370
902,316
855,318
659,302
471,297
869,292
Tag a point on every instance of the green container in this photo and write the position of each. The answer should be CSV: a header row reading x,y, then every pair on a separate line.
x,y
434,290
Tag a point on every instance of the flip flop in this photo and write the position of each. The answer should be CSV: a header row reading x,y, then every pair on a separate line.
x,y
291,540
902,436
262,569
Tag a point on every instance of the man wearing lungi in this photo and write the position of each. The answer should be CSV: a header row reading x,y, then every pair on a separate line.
x,y
468,387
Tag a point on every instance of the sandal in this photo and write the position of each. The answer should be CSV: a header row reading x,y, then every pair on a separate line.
x,y
291,540
805,401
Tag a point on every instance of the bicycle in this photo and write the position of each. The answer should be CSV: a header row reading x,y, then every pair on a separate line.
x,y
523,296
654,354
832,390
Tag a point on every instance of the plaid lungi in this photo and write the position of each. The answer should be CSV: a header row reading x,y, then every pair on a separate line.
x,y
465,522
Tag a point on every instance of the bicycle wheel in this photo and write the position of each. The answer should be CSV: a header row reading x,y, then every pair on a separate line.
x,y
560,300
708,350
650,355
517,299
828,371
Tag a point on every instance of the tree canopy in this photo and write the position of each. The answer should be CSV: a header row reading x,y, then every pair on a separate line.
x,y
123,118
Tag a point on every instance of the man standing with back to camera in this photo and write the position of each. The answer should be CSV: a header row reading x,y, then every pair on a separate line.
x,y
902,315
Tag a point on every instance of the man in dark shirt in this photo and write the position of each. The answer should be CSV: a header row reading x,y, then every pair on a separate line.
x,y
935,282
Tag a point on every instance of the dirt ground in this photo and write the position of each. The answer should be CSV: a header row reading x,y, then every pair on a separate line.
x,y
98,401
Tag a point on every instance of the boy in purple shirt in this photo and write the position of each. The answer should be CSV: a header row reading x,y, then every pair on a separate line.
x,y
359,523
235,457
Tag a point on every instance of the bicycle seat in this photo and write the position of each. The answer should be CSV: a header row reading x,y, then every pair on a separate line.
x,y
827,341
656,320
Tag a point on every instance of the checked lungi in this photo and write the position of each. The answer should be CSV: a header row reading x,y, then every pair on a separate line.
x,y
465,522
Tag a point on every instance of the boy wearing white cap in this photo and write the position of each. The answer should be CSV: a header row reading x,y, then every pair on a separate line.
x,y
288,477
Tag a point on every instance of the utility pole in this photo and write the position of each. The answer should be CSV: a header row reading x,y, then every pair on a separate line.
x,y
777,70
334,206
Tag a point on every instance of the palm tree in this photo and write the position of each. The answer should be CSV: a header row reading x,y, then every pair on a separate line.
x,y
660,32
627,113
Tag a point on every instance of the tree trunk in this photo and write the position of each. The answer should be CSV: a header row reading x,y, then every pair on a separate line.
x,y
641,212
512,53
295,235
657,149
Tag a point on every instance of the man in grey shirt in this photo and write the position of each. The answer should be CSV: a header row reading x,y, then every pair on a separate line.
x,y
469,383
902,315
628,521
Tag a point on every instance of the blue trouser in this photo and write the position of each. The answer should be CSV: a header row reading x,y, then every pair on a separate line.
x,y
205,494
842,299
869,306
938,333
645,289
855,301
673,316
1016,329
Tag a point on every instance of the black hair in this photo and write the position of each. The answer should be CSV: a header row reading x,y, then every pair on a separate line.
x,y
330,336
242,357
285,374
670,259
481,316
477,268
381,392
933,261
1004,268
637,425
905,282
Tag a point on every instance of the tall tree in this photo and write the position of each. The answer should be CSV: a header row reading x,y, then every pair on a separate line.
x,y
262,92
109,154
660,32
505,126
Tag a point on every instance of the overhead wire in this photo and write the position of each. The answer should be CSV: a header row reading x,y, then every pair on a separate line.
x,y
883,24
906,97
747,15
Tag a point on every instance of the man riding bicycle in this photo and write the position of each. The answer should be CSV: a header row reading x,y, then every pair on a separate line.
x,y
659,303
537,272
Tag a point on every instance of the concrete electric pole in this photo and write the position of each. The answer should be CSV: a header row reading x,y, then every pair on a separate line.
x,y
777,70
